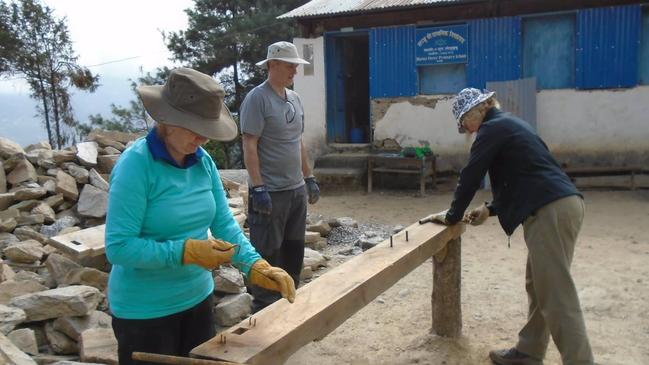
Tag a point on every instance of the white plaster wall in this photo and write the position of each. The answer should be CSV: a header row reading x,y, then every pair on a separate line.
x,y
416,125
594,121
574,123
312,92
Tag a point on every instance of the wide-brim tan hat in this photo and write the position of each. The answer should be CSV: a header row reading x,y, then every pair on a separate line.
x,y
191,100
282,51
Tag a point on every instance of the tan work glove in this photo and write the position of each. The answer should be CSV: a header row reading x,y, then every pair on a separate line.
x,y
477,216
209,253
272,278
439,218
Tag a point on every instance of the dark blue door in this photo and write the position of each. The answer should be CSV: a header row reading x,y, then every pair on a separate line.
x,y
347,83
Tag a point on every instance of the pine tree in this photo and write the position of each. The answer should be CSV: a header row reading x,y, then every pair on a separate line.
x,y
47,61
9,45
228,38
232,36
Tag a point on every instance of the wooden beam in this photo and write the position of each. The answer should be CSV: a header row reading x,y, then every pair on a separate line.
x,y
273,334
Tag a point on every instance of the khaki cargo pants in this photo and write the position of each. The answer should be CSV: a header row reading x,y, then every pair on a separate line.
x,y
554,309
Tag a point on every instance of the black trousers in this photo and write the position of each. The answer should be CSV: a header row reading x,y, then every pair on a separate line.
x,y
279,238
176,334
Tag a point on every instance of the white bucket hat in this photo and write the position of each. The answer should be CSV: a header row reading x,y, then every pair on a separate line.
x,y
191,100
282,51
466,100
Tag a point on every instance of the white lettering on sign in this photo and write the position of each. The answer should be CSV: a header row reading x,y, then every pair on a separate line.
x,y
440,33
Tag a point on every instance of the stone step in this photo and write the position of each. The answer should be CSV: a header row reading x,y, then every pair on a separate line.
x,y
341,178
350,147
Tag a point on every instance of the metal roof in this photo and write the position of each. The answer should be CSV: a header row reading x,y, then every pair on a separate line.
x,y
316,8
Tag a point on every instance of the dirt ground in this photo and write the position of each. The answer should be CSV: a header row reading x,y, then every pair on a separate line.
x,y
610,268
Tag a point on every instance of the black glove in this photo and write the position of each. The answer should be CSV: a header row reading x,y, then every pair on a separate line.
x,y
261,202
312,189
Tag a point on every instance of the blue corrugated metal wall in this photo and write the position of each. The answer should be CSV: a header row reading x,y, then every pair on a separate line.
x,y
607,47
644,49
549,50
392,62
494,50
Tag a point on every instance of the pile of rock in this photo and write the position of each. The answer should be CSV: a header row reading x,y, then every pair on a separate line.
x,y
51,307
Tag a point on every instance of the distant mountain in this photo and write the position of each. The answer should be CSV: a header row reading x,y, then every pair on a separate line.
x,y
18,120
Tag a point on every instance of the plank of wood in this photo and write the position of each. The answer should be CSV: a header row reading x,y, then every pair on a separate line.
x,y
83,243
91,241
282,328
396,171
175,360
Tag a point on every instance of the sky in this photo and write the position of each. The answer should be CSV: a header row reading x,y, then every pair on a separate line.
x,y
114,38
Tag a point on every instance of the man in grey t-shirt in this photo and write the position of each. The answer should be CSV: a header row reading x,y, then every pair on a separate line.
x,y
272,122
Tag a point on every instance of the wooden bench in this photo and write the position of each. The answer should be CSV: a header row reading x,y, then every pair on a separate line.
x,y
605,171
394,163
273,334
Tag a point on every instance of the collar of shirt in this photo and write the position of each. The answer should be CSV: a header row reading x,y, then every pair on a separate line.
x,y
159,151
492,113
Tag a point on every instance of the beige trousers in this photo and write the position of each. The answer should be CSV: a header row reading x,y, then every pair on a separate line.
x,y
554,307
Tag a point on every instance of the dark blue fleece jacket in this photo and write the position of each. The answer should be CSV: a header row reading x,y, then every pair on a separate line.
x,y
524,175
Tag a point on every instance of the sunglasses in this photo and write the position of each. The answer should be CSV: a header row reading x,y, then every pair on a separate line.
x,y
290,112
460,122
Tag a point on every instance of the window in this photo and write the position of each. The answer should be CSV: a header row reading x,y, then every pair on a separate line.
x,y
549,51
442,79
307,53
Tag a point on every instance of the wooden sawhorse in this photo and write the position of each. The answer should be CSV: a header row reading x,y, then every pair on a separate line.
x,y
272,335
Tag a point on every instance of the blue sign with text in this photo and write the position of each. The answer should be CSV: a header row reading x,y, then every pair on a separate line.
x,y
441,45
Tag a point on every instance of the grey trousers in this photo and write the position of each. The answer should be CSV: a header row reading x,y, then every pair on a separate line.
x,y
279,238
554,307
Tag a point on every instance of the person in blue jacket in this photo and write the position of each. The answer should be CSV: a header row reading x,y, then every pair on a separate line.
x,y
165,198
531,189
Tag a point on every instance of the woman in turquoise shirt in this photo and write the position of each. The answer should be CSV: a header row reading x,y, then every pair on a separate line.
x,y
165,193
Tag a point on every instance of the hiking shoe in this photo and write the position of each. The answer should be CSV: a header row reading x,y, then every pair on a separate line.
x,y
512,357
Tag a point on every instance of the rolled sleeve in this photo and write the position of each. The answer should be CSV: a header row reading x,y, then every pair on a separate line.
x,y
483,151
252,114
225,227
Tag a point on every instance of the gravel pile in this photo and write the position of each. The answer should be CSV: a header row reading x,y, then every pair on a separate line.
x,y
343,235
348,235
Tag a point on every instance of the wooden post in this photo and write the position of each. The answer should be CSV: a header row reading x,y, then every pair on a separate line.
x,y
447,280
422,177
370,165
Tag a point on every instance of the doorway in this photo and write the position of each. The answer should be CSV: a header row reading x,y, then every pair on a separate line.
x,y
348,91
